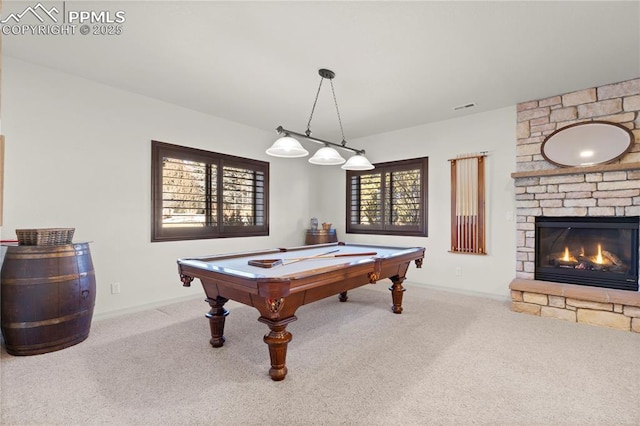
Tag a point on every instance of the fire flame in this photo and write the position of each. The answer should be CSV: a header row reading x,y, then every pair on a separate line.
x,y
597,258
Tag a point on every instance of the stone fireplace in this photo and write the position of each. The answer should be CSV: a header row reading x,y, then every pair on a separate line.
x,y
592,250
599,191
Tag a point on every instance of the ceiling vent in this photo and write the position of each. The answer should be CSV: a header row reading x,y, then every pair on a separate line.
x,y
465,106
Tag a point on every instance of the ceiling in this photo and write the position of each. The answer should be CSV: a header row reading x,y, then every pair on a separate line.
x,y
397,64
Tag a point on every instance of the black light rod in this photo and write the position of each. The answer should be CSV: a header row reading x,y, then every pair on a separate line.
x,y
282,130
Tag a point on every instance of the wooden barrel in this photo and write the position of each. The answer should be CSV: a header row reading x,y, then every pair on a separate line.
x,y
320,236
48,295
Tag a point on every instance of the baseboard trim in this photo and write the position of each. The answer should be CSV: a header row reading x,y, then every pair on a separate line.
x,y
501,298
153,305
144,307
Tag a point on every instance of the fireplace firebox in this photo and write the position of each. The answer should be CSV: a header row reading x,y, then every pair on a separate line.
x,y
592,251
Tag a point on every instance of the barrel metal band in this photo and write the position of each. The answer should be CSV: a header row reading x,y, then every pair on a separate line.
x,y
45,280
52,321
66,253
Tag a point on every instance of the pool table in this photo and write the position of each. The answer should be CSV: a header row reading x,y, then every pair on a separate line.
x,y
278,281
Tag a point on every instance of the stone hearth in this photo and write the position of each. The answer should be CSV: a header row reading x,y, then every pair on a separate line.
x,y
618,309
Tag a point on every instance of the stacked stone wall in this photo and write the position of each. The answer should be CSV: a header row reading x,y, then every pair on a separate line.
x,y
616,103
543,189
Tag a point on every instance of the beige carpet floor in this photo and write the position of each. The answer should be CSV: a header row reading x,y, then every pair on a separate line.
x,y
449,359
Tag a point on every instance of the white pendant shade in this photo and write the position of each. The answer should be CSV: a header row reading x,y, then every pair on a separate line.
x,y
327,156
287,147
358,162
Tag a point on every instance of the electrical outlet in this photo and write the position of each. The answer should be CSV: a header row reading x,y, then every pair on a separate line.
x,y
458,271
115,288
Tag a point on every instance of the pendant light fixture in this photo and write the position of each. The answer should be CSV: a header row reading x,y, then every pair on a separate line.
x,y
357,162
289,147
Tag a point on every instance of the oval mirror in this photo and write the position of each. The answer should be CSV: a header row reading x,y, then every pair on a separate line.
x,y
586,144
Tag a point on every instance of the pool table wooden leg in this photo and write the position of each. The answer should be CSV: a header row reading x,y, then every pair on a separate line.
x,y
396,293
277,339
216,316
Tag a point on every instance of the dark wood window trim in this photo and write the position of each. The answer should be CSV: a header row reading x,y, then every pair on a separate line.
x,y
217,177
381,179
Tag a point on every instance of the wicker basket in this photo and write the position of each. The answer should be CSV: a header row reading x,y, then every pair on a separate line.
x,y
45,236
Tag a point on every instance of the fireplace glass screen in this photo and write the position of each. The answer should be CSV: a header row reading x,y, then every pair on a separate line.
x,y
593,251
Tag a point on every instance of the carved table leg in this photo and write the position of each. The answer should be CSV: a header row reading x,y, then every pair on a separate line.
x,y
216,316
396,294
278,339
343,297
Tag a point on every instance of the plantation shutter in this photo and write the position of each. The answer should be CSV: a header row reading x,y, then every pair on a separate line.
x,y
242,197
184,193
391,200
201,194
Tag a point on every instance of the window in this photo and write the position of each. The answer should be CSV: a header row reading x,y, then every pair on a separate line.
x,y
198,194
390,199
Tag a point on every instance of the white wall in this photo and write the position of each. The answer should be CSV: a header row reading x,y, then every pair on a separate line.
x,y
493,132
78,155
